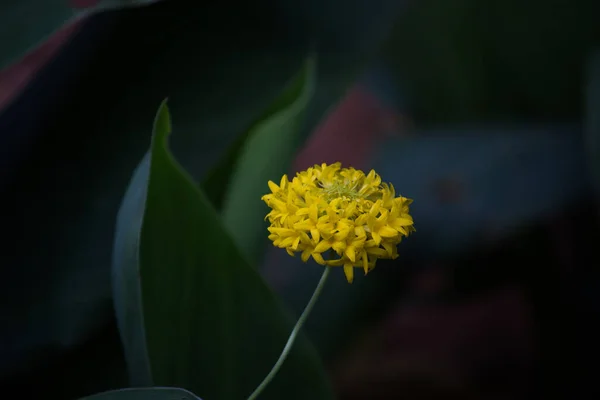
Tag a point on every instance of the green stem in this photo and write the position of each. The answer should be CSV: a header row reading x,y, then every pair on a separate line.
x,y
292,338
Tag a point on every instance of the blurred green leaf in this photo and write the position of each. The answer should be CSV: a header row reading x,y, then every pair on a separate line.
x,y
211,325
249,156
457,62
158,393
126,288
266,154
26,23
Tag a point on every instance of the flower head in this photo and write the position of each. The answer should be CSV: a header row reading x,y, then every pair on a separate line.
x,y
338,216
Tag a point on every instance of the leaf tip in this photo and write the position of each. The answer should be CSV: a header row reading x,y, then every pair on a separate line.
x,y
162,122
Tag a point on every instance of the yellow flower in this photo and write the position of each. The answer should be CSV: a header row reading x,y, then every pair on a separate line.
x,y
340,211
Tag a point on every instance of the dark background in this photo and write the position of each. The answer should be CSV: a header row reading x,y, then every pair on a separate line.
x,y
486,113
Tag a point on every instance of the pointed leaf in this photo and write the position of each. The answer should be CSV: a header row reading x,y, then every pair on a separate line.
x,y
267,154
211,324
288,108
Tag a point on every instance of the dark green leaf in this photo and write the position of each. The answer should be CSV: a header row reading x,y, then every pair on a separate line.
x,y
287,110
126,285
211,324
266,154
157,393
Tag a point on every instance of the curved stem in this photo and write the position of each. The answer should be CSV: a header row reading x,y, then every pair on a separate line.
x,y
292,338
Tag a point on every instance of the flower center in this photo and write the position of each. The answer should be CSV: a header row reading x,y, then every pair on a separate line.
x,y
339,189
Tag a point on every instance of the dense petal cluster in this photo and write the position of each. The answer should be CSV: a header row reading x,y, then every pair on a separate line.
x,y
338,216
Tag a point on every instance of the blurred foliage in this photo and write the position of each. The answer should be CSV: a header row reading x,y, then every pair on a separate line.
x,y
470,60
267,152
21,29
144,394
192,312
80,127
27,23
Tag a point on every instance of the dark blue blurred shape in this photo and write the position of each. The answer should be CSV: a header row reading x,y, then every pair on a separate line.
x,y
472,185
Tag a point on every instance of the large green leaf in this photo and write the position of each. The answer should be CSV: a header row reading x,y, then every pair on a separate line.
x,y
26,23
281,120
157,393
266,154
211,325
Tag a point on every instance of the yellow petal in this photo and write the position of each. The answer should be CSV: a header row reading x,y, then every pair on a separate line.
x,y
376,238
287,242
359,241
383,217
305,255
376,251
273,186
278,205
389,248
283,232
375,209
284,181
350,253
339,247
400,221
359,231
365,260
342,235
338,262
318,258
314,233
388,232
296,243
303,211
313,213
361,220
304,237
322,246
349,271
326,230
305,225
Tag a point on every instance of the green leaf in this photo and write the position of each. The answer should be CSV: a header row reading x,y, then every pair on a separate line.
x,y
126,288
265,153
291,104
211,324
156,393
26,23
